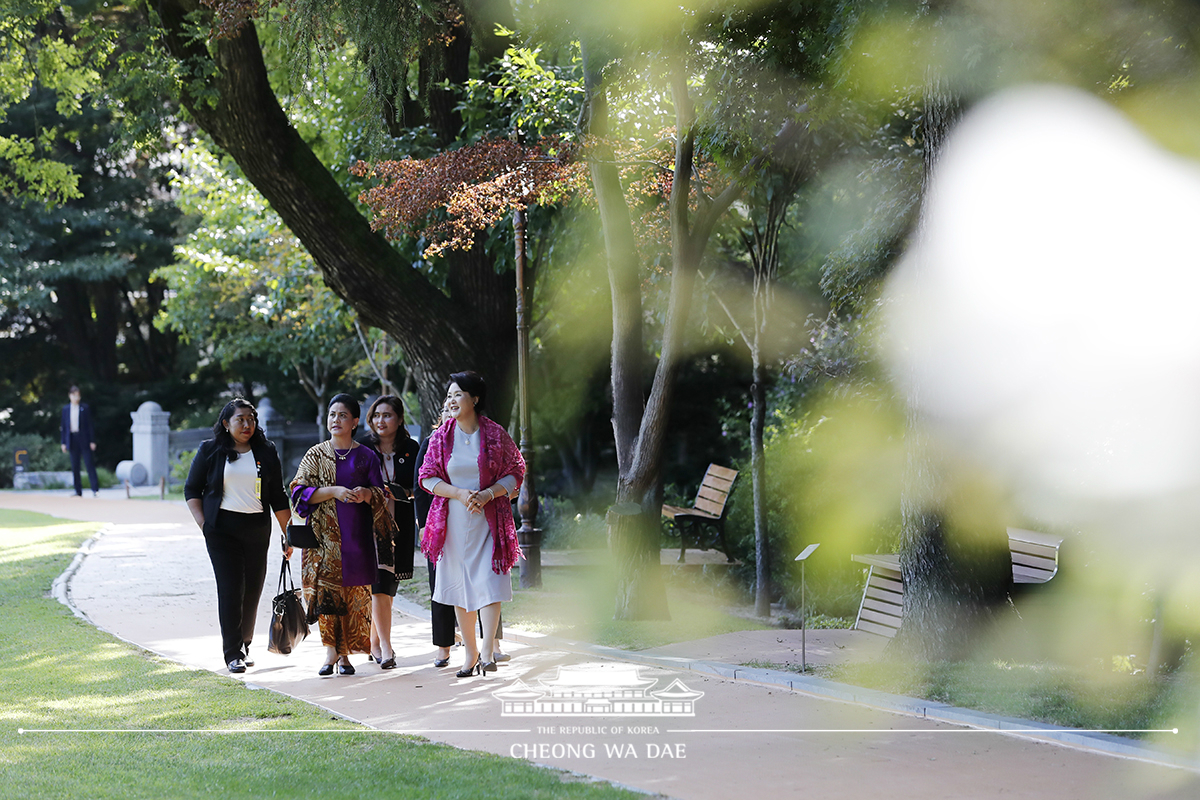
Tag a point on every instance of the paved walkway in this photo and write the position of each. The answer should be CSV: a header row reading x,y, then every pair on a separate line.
x,y
147,580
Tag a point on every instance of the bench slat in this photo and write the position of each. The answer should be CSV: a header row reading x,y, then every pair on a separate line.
x,y
1037,562
880,610
880,619
1022,535
1026,575
724,473
710,490
712,496
1034,550
886,583
720,484
871,627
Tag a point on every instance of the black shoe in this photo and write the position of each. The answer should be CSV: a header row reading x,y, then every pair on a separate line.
x,y
345,669
497,657
326,669
441,662
467,672
249,661
237,666
487,666
388,663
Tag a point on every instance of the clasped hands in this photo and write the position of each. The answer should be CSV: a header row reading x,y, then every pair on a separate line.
x,y
475,501
360,494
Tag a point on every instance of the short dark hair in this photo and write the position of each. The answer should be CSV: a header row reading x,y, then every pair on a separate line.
x,y
351,405
224,439
74,389
386,399
473,384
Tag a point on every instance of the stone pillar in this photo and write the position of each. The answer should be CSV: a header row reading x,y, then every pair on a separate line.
x,y
151,440
269,419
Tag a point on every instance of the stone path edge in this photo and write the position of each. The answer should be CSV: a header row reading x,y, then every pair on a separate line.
x,y
1095,741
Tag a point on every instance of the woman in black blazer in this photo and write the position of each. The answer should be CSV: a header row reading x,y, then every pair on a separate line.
x,y
397,453
231,498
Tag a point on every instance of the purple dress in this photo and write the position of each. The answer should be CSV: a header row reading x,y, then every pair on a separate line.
x,y
359,560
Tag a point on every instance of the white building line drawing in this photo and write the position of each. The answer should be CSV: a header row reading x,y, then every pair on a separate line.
x,y
597,690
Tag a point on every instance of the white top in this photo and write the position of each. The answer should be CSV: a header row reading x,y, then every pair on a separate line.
x,y
74,417
464,572
240,478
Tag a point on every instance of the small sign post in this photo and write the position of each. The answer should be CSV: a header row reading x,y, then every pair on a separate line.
x,y
808,551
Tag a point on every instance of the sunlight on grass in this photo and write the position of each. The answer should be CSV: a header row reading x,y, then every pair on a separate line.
x,y
52,539
86,681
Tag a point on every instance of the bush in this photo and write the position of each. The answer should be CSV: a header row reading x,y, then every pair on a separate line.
x,y
106,477
181,465
45,455
565,529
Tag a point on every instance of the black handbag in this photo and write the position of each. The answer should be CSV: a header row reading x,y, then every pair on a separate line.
x,y
301,536
288,625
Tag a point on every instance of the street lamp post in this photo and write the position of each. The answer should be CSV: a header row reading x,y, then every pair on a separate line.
x,y
529,536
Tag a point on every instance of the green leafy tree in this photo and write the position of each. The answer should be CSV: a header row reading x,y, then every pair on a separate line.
x,y
244,287
77,296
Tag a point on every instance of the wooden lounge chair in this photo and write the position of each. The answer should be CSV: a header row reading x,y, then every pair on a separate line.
x,y
1034,560
708,511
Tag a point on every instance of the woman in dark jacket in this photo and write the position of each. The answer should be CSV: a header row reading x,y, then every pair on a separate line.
x,y
231,497
397,453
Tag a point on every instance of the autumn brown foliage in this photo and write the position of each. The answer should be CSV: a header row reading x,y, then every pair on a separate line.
x,y
450,198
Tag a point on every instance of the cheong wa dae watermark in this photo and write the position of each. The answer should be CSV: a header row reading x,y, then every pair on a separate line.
x,y
597,690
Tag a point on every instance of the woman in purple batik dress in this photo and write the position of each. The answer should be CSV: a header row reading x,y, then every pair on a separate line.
x,y
339,489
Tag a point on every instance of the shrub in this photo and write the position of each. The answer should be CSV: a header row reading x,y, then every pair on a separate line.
x,y
564,528
45,454
106,477
181,465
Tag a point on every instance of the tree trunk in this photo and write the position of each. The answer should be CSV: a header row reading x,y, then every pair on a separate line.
x,y
640,426
473,328
950,580
762,552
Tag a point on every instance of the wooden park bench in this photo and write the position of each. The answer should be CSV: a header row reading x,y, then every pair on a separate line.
x,y
707,511
1034,560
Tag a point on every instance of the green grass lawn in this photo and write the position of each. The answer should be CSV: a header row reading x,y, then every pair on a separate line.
x,y
577,603
60,674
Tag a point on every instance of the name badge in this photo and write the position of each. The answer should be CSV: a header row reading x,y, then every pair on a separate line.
x,y
258,488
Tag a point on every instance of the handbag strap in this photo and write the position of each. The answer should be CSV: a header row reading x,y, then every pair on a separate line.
x,y
286,570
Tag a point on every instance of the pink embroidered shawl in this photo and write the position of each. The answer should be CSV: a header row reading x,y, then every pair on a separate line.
x,y
498,456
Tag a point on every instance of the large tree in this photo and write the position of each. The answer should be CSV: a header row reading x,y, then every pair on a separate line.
x,y
702,53
227,91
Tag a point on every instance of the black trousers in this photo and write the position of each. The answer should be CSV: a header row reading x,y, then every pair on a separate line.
x,y
237,549
440,614
79,448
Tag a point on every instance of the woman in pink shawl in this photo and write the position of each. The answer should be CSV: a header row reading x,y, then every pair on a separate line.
x,y
472,469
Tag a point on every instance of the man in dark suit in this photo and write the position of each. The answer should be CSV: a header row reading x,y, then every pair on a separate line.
x,y
78,439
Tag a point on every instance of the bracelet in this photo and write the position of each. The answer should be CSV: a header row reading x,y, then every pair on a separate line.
x,y
491,494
